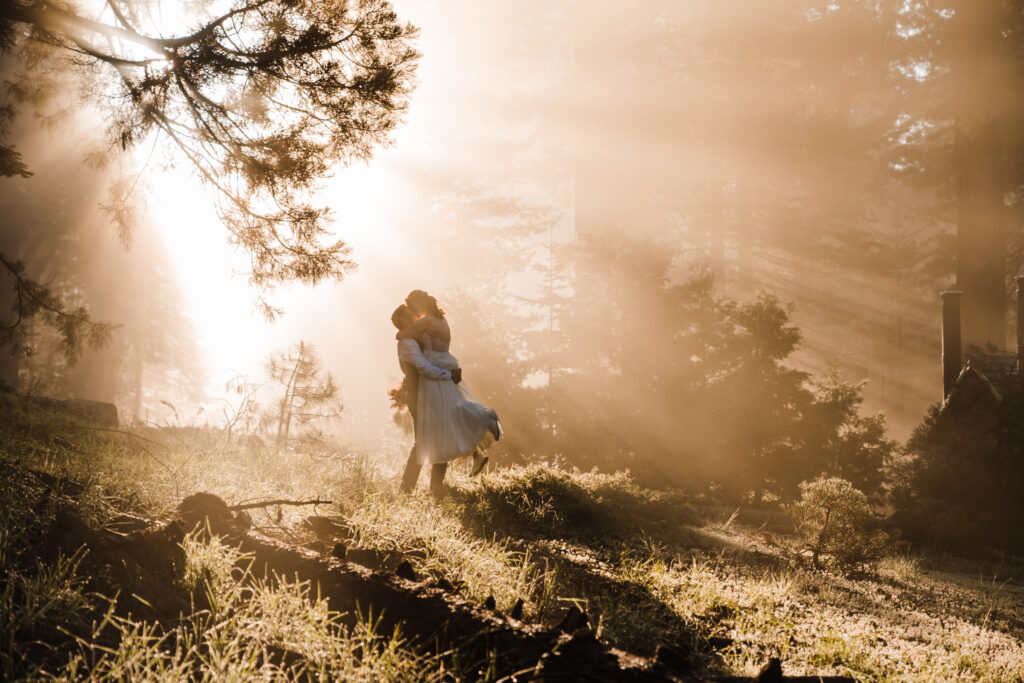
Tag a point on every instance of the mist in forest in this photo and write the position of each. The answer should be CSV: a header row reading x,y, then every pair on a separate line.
x,y
666,236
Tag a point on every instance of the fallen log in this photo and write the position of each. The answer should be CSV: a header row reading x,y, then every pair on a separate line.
x,y
438,621
441,623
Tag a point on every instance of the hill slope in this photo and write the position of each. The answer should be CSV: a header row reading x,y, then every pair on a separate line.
x,y
511,552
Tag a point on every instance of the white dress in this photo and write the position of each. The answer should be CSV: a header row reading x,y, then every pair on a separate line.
x,y
450,423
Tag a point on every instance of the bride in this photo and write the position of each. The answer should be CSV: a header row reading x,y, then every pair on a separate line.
x,y
450,423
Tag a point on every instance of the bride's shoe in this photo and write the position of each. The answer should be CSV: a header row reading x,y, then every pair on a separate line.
x,y
495,426
479,463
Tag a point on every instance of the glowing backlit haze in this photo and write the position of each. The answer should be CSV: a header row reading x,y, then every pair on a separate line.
x,y
471,115
667,121
349,323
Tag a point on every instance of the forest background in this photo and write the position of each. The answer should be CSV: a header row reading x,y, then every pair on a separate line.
x,y
655,228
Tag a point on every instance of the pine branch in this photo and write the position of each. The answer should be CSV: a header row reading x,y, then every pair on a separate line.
x,y
75,326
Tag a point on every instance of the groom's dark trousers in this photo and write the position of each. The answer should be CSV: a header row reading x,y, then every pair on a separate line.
x,y
412,466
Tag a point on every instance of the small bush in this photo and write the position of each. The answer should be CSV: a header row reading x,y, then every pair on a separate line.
x,y
549,501
836,520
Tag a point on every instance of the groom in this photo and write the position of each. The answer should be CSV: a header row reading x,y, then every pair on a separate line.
x,y
413,364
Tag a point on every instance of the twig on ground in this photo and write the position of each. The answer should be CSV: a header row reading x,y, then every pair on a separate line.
x,y
268,503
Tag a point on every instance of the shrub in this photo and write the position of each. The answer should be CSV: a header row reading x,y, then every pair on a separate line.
x,y
550,501
836,519
961,486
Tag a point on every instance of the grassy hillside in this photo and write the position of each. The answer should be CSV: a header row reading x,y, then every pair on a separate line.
x,y
643,565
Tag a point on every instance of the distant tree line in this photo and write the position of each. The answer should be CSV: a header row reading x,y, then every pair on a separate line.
x,y
851,158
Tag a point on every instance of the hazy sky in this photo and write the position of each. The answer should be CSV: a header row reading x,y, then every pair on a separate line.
x,y
597,109
349,323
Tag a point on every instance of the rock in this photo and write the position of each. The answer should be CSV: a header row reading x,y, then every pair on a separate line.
x,y
490,603
444,584
95,412
339,551
207,511
405,571
719,643
673,659
316,546
126,523
573,620
517,610
582,645
243,520
325,527
770,672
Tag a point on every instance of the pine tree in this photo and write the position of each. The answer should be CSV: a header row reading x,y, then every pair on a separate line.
x,y
309,395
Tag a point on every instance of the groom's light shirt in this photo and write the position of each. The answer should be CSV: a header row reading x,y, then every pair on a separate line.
x,y
409,352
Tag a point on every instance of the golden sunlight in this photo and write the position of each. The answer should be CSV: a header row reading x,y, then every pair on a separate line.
x,y
582,340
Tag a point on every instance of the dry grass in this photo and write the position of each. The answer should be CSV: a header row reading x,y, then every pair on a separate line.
x,y
641,563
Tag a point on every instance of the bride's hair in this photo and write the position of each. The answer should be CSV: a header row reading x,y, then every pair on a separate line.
x,y
421,300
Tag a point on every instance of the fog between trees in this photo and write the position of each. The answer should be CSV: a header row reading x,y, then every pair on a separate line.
x,y
654,227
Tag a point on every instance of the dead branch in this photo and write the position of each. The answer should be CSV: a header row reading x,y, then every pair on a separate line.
x,y
268,503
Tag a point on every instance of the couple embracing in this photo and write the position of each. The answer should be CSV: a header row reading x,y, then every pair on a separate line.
x,y
449,423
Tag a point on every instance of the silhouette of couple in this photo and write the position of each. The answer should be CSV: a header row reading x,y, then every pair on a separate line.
x,y
449,423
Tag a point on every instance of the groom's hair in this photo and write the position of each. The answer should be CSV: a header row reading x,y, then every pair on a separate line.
x,y
425,302
400,313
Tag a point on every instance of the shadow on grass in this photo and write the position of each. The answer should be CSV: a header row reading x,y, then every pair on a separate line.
x,y
590,529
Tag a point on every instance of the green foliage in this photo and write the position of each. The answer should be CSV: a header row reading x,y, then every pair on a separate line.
x,y
844,443
260,98
961,484
545,500
76,328
702,385
836,519
773,426
310,395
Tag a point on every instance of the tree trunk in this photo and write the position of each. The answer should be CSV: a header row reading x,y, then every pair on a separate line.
x,y
717,232
8,367
139,369
138,372
9,364
981,239
979,178
745,234
285,416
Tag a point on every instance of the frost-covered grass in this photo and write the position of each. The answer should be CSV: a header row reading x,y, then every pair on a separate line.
x,y
641,563
253,630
